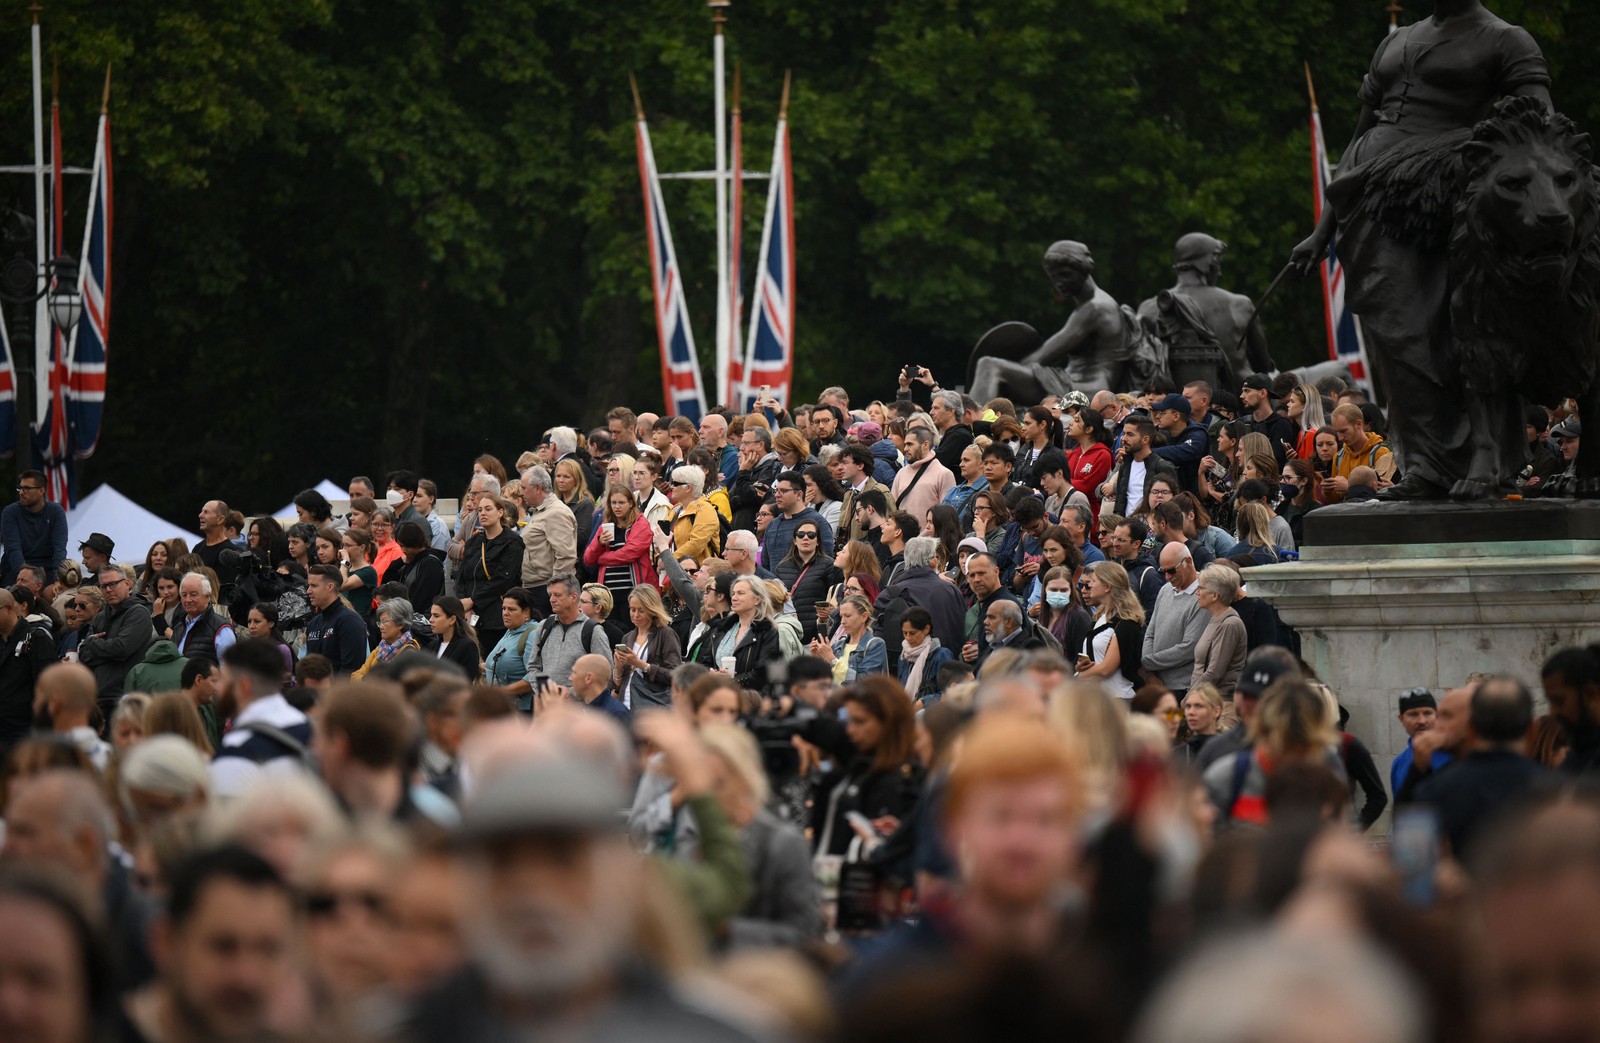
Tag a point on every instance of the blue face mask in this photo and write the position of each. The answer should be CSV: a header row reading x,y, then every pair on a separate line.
x,y
1288,491
1058,598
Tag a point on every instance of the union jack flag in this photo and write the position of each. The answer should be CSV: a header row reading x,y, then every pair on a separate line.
x,y
1345,341
769,358
681,385
91,337
8,396
50,435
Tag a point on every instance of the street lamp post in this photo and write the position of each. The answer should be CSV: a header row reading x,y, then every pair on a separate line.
x,y
18,277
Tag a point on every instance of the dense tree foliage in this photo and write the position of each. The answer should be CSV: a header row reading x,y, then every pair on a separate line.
x,y
354,234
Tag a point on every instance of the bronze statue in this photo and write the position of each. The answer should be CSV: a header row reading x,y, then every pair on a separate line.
x,y
1525,264
1224,319
1090,352
1393,205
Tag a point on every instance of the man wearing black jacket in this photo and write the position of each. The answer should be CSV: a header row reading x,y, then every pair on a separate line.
x,y
1137,465
1280,430
1494,773
954,436
335,631
119,635
27,650
1127,549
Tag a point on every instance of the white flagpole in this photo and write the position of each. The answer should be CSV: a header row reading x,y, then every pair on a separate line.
x,y
724,305
41,309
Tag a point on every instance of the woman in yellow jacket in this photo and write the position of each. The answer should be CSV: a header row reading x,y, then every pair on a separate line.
x,y
696,532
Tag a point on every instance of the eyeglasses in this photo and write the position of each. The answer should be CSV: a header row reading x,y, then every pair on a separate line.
x,y
324,904
114,583
29,488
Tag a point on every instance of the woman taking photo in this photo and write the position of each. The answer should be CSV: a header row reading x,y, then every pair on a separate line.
x,y
1304,407
1219,654
619,552
453,636
876,770
746,640
506,666
713,600
858,585
394,635
360,580
1219,472
921,656
491,564
644,660
1111,652
824,495
856,652
807,574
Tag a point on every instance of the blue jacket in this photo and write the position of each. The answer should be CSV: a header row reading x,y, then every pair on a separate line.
x,y
885,461
35,538
1185,455
1402,764
870,657
930,673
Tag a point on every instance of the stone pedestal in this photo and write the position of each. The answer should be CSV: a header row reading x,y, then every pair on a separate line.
x,y
1388,597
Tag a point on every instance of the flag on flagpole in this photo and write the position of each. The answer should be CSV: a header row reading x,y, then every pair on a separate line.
x,y
91,337
769,358
735,293
681,384
51,438
1345,340
8,396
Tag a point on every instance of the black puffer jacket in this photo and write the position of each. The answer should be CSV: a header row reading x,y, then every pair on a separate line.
x,y
807,585
758,648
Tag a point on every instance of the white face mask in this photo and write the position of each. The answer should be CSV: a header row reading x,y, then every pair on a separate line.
x,y
394,498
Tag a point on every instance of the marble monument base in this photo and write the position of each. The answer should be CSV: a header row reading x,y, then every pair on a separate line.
x,y
1464,589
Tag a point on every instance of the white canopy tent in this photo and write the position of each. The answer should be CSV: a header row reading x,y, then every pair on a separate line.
x,y
329,491
132,528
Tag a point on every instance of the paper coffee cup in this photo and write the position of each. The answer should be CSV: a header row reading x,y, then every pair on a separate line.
x,y
728,663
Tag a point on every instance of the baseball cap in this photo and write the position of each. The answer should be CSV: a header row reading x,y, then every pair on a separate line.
x,y
1257,382
1174,402
99,542
1417,699
1258,677
557,794
1571,427
867,431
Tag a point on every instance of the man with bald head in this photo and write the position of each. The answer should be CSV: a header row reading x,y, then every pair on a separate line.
x,y
65,696
59,820
1174,628
25,652
591,686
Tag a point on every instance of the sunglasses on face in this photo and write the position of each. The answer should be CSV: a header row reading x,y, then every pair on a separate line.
x,y
805,535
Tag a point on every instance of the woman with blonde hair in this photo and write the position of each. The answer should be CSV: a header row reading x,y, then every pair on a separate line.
x,y
784,908
647,655
619,470
793,449
1111,653
572,489
1290,726
857,651
173,713
1255,546
1304,407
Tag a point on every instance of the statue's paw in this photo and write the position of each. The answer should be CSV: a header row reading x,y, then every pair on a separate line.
x,y
1472,489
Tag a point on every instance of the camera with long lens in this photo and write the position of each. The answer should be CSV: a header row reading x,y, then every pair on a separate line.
x,y
774,733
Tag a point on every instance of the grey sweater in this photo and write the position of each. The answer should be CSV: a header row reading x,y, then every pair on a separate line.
x,y
1171,634
1219,655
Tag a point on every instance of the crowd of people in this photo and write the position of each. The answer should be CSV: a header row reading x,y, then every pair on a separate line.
x,y
935,719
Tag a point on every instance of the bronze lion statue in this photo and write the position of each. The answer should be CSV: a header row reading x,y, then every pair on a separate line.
x,y
1525,273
